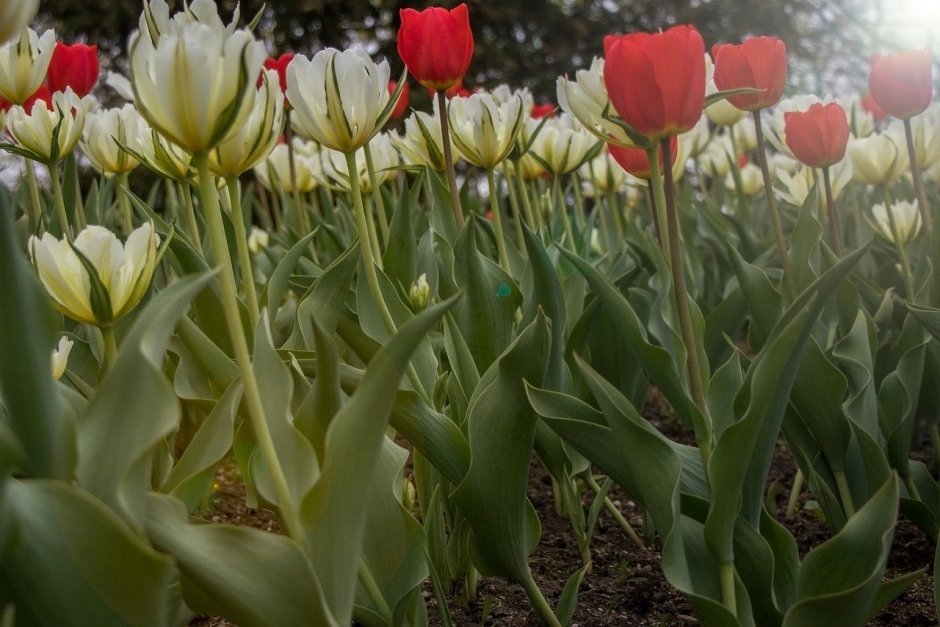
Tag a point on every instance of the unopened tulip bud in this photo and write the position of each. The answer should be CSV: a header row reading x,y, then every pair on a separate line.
x,y
60,357
420,293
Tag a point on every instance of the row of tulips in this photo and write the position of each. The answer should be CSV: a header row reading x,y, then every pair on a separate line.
x,y
286,326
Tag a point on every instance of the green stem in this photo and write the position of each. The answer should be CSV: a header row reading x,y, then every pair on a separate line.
x,y
539,604
615,513
682,306
658,199
377,199
532,217
578,201
368,263
498,220
59,200
832,217
244,255
35,206
300,215
912,490
374,592
449,159
899,246
110,348
728,593
189,212
779,238
516,212
845,494
252,395
559,206
916,175
124,204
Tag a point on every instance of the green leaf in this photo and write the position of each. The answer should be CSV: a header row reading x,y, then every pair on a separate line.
x,y
246,575
134,409
335,509
277,284
27,389
76,560
928,317
840,579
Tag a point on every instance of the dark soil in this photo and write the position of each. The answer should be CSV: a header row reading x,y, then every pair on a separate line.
x,y
626,587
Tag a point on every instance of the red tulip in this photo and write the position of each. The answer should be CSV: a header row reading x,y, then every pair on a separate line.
x,y
436,45
656,82
819,135
540,111
280,65
74,66
635,161
759,62
871,105
901,83
401,107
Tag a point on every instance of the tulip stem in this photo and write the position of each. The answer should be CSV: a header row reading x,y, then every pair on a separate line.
x,y
539,604
244,256
915,174
252,395
110,349
300,215
703,431
497,220
35,206
728,592
190,215
743,209
899,245
368,263
377,199
59,200
779,238
374,592
124,204
797,487
845,494
658,200
532,217
832,217
449,159
559,205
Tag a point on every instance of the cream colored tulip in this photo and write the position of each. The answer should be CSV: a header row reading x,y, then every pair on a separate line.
x,y
340,97
258,239
795,187
722,112
752,182
421,144
483,129
251,143
194,81
602,175
23,64
586,99
274,172
906,220
925,131
48,135
106,134
861,122
877,159
384,159
562,144
60,357
698,138
14,16
124,271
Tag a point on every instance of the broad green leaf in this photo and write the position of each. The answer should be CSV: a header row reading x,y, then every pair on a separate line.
x,y
27,390
840,579
324,301
75,559
501,428
335,509
928,317
134,409
399,260
249,576
277,284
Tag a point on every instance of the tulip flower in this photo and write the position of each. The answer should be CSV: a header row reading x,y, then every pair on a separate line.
x,y
14,16
877,159
925,136
603,174
871,105
906,220
586,99
385,160
194,82
818,136
23,64
258,240
539,111
901,83
635,162
562,145
656,82
340,97
752,182
279,65
698,138
484,130
722,112
421,143
401,105
48,134
74,66
106,133
759,63
436,45
160,155
123,271
253,141
274,172
60,357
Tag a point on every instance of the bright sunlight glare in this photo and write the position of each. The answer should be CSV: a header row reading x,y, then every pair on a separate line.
x,y
904,24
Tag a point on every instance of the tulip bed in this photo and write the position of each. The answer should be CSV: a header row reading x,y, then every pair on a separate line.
x,y
378,326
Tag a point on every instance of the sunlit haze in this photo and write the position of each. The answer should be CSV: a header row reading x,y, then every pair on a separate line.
x,y
903,24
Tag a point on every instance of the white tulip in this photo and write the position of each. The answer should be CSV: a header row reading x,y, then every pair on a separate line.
x,y
906,220
483,129
194,81
340,97
422,144
562,145
48,135
698,137
602,175
797,186
722,112
384,160
258,239
23,64
104,135
861,122
251,143
752,182
586,99
877,159
60,357
14,16
274,172
125,271
925,131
